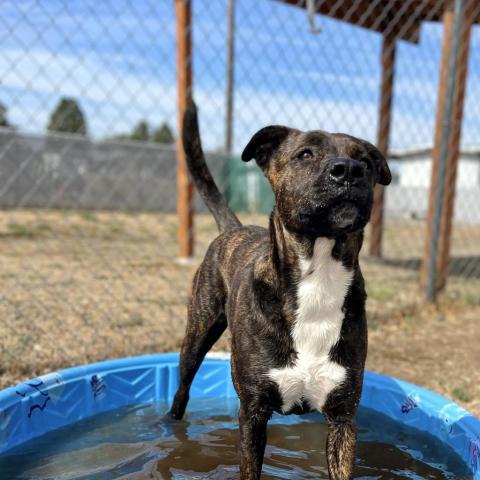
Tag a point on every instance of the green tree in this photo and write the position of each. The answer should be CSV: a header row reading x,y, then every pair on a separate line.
x,y
163,134
141,132
67,117
3,116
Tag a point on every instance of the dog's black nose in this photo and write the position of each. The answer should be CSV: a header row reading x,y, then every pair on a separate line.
x,y
346,170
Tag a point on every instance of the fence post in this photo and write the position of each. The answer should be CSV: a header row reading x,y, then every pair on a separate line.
x,y
457,26
446,149
230,76
383,135
454,142
184,86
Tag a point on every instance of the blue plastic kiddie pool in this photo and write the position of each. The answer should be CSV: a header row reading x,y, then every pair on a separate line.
x,y
52,401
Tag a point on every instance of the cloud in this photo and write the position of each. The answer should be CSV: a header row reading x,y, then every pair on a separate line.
x,y
113,101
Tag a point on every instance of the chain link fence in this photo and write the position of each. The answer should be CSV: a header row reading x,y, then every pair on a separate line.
x,y
88,122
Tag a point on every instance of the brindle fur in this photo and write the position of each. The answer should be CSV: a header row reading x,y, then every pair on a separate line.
x,y
249,275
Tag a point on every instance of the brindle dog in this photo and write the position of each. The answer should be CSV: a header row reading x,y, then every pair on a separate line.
x,y
293,295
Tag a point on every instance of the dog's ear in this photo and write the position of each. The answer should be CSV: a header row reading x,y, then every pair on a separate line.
x,y
384,177
263,143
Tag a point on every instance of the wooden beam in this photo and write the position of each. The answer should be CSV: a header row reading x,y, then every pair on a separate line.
x,y
379,15
439,120
184,86
453,153
383,135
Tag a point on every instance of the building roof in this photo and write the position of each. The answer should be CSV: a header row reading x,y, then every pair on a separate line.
x,y
425,153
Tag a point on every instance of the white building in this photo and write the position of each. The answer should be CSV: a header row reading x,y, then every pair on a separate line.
x,y
407,197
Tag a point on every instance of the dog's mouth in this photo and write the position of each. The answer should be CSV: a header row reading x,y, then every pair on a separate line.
x,y
343,216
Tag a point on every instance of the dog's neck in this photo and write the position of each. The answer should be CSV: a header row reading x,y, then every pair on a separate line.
x,y
287,248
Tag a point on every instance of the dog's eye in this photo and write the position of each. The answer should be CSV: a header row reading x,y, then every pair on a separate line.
x,y
305,154
366,162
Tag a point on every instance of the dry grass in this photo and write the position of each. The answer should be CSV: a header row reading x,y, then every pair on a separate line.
x,y
79,287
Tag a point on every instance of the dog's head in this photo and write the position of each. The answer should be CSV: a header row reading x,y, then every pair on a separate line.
x,y
323,182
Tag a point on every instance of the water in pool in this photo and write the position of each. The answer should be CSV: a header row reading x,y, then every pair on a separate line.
x,y
131,444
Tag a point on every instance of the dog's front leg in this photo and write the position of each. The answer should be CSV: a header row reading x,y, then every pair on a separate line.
x,y
341,441
253,438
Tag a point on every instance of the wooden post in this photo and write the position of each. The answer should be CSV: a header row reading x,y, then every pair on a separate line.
x,y
453,144
386,95
230,80
184,86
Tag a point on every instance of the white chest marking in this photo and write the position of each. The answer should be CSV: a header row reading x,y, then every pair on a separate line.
x,y
321,292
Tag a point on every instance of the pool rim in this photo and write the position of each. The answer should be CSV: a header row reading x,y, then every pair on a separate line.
x,y
402,401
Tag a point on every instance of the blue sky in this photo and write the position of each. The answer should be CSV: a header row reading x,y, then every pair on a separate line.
x,y
117,58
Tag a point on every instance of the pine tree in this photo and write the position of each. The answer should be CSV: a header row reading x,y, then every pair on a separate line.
x,y
141,132
67,117
3,116
163,134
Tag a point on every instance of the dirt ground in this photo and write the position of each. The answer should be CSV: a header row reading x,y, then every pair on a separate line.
x,y
78,287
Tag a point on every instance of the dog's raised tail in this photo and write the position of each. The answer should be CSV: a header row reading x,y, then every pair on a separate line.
x,y
202,178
